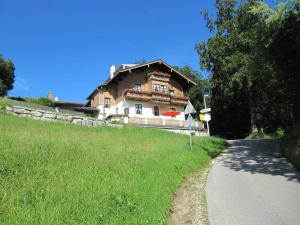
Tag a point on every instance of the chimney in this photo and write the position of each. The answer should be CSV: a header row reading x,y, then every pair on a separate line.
x,y
112,71
50,96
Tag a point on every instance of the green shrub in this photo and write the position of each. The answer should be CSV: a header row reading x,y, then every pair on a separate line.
x,y
259,135
19,98
40,101
291,147
279,133
2,103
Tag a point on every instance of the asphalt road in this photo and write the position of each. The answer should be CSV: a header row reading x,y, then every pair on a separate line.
x,y
251,184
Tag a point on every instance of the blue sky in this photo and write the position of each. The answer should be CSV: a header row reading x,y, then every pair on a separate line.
x,y
66,47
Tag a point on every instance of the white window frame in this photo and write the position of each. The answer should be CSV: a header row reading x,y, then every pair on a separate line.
x,y
156,87
164,88
141,110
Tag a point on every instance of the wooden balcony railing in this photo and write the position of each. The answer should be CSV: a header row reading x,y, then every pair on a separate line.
x,y
153,96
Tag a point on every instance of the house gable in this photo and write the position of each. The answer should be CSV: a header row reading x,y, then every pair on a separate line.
x,y
141,73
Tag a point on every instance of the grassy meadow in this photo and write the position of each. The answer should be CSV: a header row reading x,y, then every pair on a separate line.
x,y
52,173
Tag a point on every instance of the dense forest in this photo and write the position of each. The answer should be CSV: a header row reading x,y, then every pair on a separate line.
x,y
253,57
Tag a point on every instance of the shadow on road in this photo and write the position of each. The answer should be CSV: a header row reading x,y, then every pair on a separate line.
x,y
259,156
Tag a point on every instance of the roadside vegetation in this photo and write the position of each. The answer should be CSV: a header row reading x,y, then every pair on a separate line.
x,y
38,101
279,133
291,147
52,173
252,57
36,104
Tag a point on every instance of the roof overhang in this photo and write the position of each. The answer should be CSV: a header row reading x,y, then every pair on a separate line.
x,y
188,82
148,64
68,104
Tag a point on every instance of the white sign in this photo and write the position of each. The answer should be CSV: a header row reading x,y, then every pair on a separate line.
x,y
190,121
207,110
207,117
125,104
189,109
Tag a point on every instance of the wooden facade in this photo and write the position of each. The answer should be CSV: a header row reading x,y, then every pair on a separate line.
x,y
155,84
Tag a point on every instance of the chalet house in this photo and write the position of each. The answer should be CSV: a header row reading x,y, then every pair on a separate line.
x,y
141,93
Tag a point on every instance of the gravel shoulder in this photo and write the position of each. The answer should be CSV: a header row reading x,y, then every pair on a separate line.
x,y
189,203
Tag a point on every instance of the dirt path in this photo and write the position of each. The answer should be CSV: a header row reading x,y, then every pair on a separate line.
x,y
189,204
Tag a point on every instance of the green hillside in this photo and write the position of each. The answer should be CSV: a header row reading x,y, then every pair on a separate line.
x,y
52,173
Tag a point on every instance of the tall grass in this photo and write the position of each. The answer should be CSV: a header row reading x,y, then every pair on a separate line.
x,y
54,173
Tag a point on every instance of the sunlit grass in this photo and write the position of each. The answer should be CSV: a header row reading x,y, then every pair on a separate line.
x,y
53,173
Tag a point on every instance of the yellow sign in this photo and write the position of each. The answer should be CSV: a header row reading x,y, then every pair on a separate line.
x,y
201,117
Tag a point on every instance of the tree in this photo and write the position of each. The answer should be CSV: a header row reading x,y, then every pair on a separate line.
x,y
226,55
196,92
254,65
7,76
277,44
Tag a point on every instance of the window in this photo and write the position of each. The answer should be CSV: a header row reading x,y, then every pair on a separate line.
x,y
163,88
172,92
137,87
107,102
156,87
138,108
126,111
173,109
156,111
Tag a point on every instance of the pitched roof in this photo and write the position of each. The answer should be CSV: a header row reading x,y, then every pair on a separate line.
x,y
130,67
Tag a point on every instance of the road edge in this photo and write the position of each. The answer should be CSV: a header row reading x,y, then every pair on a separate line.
x,y
189,205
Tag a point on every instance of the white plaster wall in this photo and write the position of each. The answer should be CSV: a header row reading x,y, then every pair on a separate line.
x,y
147,110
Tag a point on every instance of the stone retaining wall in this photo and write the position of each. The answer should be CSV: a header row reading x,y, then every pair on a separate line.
x,y
53,116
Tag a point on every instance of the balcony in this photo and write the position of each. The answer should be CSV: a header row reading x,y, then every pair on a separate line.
x,y
132,94
153,96
178,100
159,76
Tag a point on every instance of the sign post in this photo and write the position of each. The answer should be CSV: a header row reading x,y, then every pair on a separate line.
x,y
188,110
207,118
206,111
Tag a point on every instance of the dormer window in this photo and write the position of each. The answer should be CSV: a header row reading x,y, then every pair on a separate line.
x,y
137,87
